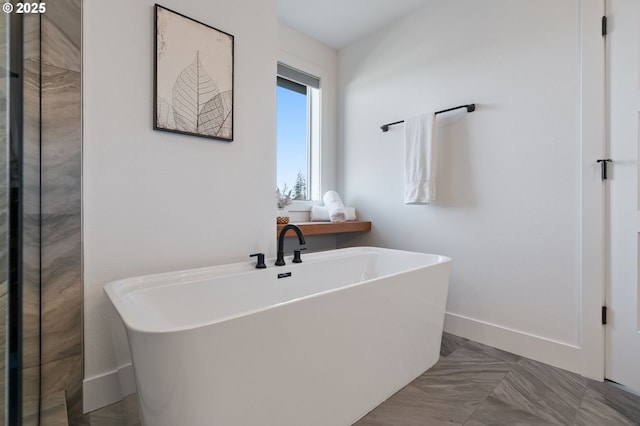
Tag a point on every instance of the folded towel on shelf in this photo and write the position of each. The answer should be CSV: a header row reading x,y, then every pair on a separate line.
x,y
319,214
350,213
322,214
336,211
419,159
342,214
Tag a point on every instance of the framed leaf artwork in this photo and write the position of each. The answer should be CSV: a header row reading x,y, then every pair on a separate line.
x,y
193,81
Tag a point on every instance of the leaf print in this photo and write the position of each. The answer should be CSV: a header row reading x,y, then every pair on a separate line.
x,y
211,116
215,117
165,117
192,90
227,102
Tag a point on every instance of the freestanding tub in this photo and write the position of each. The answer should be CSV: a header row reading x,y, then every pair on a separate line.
x,y
317,343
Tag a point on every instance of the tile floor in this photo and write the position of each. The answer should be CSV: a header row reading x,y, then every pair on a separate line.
x,y
53,411
124,413
473,384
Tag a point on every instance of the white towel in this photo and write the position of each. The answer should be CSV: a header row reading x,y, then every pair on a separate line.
x,y
350,213
342,214
332,199
337,214
419,159
319,214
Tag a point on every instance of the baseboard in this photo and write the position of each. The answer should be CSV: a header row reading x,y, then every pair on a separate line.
x,y
106,389
558,354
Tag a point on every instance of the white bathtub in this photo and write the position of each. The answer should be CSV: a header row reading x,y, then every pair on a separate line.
x,y
233,345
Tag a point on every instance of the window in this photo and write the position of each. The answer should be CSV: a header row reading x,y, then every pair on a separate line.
x,y
298,133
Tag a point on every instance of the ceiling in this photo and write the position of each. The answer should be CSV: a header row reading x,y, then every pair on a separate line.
x,y
337,23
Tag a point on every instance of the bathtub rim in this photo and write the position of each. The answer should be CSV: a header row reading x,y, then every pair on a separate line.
x,y
117,289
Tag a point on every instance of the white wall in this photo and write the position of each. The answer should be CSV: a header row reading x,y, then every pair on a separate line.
x,y
156,201
508,206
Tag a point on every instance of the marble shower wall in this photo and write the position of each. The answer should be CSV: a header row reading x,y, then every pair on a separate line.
x,y
62,291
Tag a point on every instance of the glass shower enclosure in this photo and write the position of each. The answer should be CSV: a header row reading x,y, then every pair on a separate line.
x,y
20,88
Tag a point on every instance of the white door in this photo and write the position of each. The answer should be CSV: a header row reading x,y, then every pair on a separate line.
x,y
622,357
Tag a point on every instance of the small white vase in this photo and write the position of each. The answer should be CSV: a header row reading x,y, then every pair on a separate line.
x,y
282,216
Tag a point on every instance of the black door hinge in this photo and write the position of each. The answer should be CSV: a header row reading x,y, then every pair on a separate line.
x,y
604,26
603,167
604,315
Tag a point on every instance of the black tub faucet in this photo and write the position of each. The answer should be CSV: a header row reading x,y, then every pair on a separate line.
x,y
260,263
298,231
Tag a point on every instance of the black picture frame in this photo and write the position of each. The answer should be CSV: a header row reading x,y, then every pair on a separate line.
x,y
193,77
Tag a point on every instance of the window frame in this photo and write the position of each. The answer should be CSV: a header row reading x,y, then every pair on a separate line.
x,y
314,131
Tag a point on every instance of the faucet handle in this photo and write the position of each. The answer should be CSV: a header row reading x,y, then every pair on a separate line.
x,y
296,255
260,263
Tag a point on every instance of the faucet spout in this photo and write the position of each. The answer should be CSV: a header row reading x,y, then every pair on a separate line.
x,y
285,229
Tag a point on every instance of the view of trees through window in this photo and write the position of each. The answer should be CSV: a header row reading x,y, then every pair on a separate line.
x,y
300,188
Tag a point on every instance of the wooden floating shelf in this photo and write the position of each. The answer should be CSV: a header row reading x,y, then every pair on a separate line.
x,y
320,228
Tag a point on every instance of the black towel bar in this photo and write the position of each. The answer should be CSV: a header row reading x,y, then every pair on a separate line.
x,y
470,108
